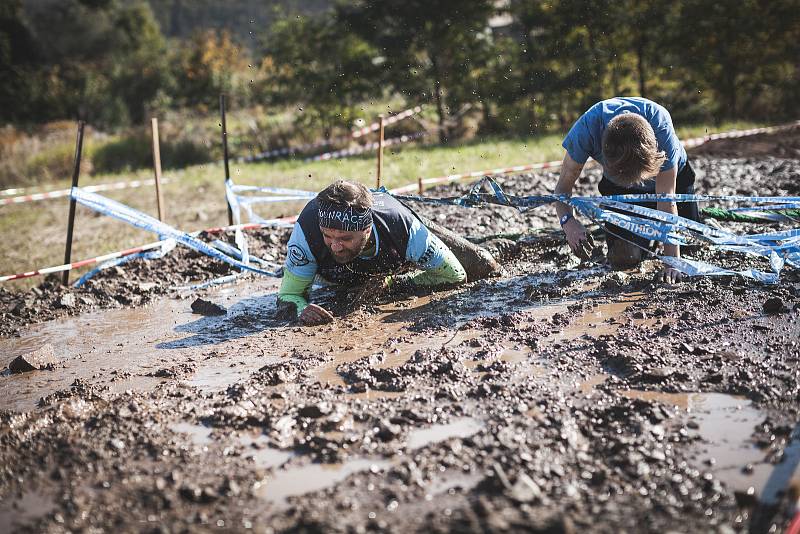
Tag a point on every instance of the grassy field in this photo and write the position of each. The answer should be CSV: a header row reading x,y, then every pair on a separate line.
x,y
35,232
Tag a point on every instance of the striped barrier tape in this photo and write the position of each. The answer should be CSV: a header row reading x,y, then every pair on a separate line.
x,y
477,174
166,247
689,143
346,152
697,141
387,121
91,188
288,221
286,151
779,248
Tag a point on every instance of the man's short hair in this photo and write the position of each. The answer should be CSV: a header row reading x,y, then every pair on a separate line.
x,y
346,194
630,149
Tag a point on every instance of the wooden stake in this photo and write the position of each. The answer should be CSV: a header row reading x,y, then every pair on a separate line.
x,y
157,168
380,152
420,187
225,151
76,172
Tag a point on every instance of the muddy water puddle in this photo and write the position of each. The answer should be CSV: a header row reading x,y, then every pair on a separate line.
x,y
199,435
724,425
463,427
120,347
598,321
23,510
255,446
294,481
313,477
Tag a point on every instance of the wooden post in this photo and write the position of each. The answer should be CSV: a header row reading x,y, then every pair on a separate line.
x,y
225,151
420,187
76,172
157,169
380,152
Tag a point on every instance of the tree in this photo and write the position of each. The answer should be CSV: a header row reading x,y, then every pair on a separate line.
x,y
318,64
18,58
209,64
428,47
733,48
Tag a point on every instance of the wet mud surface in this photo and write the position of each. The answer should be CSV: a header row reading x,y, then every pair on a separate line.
x,y
558,397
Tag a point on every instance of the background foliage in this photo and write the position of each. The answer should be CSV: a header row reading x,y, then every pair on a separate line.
x,y
309,69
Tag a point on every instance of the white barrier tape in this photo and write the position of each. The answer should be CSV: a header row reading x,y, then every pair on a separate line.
x,y
286,151
166,247
476,174
387,121
91,188
365,148
697,141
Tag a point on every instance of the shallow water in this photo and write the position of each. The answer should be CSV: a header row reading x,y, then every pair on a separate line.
x,y
18,511
313,477
459,428
725,425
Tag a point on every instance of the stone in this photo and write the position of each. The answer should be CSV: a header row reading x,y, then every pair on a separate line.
x,y
774,305
67,301
525,489
207,308
43,358
316,410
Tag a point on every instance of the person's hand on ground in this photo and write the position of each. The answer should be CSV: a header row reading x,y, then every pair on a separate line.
x,y
670,275
315,315
580,243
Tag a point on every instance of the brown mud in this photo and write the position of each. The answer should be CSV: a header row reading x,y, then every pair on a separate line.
x,y
558,397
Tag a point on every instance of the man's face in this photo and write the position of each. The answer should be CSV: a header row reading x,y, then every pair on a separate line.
x,y
345,246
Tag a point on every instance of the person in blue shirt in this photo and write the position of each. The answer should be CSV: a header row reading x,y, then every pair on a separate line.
x,y
348,235
635,142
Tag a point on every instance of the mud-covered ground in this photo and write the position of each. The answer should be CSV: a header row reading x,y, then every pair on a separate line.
x,y
559,397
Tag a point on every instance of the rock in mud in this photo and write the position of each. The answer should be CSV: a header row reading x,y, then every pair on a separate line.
x,y
207,308
44,358
774,305
67,301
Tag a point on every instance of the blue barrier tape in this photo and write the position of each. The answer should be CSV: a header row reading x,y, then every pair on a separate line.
x,y
215,282
653,224
141,220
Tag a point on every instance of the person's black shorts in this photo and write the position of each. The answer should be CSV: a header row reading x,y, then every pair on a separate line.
x,y
684,185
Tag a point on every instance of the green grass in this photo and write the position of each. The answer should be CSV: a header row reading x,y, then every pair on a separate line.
x,y
35,232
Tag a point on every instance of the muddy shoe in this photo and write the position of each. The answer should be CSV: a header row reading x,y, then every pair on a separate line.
x,y
503,250
623,255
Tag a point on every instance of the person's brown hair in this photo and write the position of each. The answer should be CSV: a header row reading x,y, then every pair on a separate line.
x,y
630,149
345,194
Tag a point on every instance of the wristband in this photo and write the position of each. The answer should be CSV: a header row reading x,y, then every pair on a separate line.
x,y
565,218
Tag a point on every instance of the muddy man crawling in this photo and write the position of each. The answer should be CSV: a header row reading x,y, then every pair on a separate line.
x,y
635,142
348,235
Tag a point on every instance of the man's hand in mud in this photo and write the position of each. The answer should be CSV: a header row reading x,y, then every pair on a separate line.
x,y
670,275
315,315
580,243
